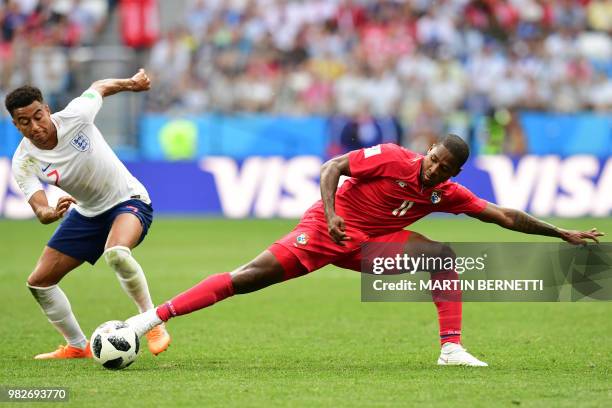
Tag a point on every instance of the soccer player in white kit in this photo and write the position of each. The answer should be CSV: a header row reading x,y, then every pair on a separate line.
x,y
112,211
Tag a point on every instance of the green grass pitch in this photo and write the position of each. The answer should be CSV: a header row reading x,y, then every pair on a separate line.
x,y
307,342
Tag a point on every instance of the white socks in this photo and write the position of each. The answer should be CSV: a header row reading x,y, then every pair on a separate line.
x,y
130,275
144,322
56,307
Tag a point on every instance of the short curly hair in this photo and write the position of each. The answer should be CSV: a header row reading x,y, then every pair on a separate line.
x,y
457,147
22,96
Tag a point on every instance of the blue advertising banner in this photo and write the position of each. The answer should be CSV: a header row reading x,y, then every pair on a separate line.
x,y
568,134
9,137
241,136
237,136
275,186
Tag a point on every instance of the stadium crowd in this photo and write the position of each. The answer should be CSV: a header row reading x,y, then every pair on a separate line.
x,y
416,67
433,65
36,39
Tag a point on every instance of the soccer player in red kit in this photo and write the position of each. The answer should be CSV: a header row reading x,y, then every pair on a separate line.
x,y
390,188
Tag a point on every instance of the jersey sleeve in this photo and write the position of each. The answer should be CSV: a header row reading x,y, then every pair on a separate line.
x,y
377,161
24,173
84,108
463,201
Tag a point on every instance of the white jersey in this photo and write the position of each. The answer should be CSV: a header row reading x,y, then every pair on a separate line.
x,y
82,164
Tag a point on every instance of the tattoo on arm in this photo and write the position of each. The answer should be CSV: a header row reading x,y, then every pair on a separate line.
x,y
524,222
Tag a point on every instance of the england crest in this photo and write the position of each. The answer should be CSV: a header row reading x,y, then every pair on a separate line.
x,y
80,142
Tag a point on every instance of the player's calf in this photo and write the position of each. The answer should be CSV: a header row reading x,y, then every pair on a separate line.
x,y
55,305
447,301
206,293
130,275
263,271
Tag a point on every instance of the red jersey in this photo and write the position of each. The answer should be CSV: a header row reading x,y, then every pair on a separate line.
x,y
385,193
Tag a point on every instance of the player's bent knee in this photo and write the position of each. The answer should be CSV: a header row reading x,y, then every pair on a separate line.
x,y
116,256
438,252
38,281
33,281
442,252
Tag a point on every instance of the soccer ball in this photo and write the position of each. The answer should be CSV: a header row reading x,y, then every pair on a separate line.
x,y
115,345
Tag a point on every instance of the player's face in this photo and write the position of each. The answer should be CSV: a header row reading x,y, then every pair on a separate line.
x,y
438,166
34,123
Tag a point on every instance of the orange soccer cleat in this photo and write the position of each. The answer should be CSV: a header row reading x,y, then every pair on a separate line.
x,y
64,352
158,339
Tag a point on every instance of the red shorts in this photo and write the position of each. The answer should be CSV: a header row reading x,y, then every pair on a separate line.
x,y
310,247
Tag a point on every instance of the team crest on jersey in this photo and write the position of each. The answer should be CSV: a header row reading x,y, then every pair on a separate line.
x,y
401,183
302,239
80,142
436,197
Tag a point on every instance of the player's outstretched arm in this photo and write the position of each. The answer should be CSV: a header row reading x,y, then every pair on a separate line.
x,y
44,212
522,222
138,83
330,177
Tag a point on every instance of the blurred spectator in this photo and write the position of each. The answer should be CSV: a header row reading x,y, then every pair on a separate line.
x,y
600,94
599,15
425,128
361,130
37,37
568,14
170,58
49,71
501,133
448,87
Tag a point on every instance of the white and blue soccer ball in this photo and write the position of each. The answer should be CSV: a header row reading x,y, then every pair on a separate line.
x,y
114,345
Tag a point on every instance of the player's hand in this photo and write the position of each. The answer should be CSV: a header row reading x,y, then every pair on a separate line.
x,y
141,81
63,204
580,237
336,229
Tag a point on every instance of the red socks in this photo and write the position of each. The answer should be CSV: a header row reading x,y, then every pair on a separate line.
x,y
449,307
206,293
